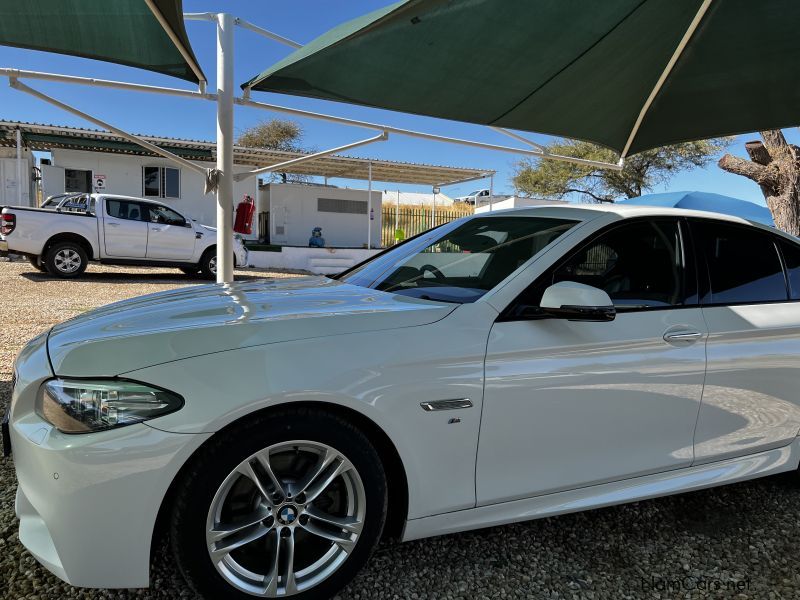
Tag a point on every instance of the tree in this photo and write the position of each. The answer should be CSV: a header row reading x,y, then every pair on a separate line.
x,y
276,134
775,166
556,179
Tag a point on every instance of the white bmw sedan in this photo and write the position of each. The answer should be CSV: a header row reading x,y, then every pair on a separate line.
x,y
495,369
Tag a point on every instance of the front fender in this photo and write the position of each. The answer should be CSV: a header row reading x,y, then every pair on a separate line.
x,y
383,375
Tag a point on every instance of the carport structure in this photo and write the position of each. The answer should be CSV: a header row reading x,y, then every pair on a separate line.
x,y
44,137
628,74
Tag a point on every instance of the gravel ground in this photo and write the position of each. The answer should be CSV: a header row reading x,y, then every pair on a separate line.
x,y
741,541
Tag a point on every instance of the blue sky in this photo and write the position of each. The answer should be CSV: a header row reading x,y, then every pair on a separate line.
x,y
301,20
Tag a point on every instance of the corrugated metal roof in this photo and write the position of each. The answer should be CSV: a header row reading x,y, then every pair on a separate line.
x,y
47,137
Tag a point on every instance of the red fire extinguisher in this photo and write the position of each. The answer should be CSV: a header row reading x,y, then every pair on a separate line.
x,y
244,216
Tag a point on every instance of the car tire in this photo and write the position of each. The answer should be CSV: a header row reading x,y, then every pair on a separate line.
x,y
36,263
66,260
208,264
214,494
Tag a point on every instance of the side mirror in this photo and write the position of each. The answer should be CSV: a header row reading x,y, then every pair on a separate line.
x,y
577,302
187,223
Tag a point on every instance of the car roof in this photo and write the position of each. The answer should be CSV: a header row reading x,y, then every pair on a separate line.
x,y
587,212
123,197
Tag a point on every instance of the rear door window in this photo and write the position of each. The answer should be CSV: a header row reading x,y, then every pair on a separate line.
x,y
744,266
126,209
791,256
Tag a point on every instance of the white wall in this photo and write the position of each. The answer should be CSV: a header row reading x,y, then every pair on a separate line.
x,y
124,176
325,261
293,207
9,186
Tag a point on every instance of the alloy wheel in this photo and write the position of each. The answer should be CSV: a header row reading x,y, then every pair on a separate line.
x,y
285,519
67,260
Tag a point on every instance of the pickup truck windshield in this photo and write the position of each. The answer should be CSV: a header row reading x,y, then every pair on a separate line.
x,y
459,262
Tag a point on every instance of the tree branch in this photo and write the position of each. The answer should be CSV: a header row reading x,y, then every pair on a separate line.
x,y
757,152
587,192
762,175
777,145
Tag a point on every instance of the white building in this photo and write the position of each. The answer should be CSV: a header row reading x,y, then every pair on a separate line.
x,y
87,160
342,213
393,197
146,176
15,180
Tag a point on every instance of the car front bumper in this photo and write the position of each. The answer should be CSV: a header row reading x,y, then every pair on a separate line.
x,y
87,504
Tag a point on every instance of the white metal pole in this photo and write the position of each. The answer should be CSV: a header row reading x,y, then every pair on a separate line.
x,y
433,210
491,194
369,208
225,27
397,215
19,167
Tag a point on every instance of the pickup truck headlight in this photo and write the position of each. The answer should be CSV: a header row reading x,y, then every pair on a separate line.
x,y
84,406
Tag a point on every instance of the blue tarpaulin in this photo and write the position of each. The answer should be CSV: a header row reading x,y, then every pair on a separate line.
x,y
709,202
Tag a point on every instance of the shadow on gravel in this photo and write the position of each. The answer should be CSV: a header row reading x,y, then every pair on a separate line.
x,y
129,278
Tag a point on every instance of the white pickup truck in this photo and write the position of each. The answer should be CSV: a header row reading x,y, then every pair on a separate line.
x,y
68,231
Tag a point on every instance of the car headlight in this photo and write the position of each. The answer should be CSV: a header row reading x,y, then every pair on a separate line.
x,y
84,406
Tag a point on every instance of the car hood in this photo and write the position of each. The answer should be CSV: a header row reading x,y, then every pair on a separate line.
x,y
172,325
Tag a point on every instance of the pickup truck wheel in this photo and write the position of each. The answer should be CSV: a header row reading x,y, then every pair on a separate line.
x,y
66,260
290,504
208,264
36,263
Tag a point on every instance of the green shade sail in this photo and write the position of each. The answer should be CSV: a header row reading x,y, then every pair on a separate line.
x,y
583,69
119,31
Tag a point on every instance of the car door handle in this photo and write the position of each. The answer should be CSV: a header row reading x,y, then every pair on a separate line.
x,y
677,337
155,229
113,224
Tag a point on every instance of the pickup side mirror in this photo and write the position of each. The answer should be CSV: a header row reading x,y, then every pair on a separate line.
x,y
577,302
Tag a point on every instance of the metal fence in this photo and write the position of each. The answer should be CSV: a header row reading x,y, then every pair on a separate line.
x,y
402,222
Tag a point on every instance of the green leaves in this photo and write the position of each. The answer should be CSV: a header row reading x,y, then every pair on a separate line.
x,y
555,179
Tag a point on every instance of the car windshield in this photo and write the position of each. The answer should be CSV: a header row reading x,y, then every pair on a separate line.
x,y
461,261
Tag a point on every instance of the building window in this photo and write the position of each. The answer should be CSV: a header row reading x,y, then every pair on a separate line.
x,y
161,182
77,181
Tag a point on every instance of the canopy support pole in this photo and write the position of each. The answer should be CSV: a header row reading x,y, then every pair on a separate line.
x,y
491,193
466,179
294,161
187,56
106,83
267,34
519,138
422,135
369,206
17,85
19,167
665,74
435,191
225,49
